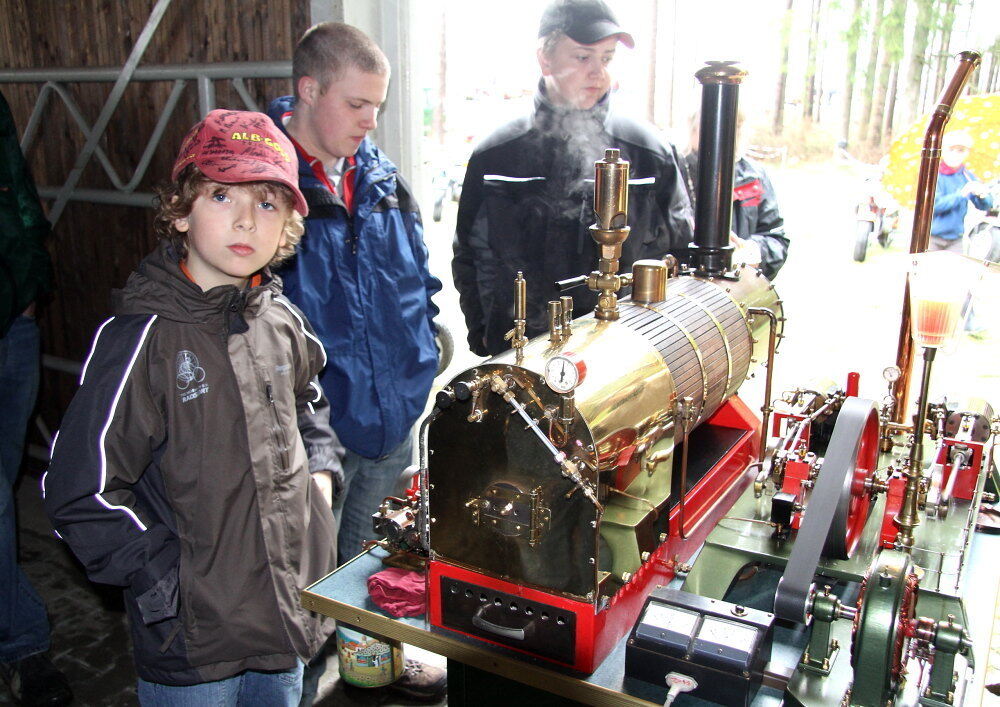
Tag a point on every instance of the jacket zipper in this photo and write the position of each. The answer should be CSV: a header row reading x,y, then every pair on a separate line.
x,y
352,235
279,433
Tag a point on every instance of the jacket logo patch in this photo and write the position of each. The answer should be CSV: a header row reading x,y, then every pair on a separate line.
x,y
749,194
284,369
190,376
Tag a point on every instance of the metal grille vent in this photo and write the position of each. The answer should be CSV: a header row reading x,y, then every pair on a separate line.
x,y
701,335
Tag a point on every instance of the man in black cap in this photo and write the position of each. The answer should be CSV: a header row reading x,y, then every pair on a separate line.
x,y
527,200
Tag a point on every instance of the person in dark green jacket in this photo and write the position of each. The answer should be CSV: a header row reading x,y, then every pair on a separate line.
x,y
25,276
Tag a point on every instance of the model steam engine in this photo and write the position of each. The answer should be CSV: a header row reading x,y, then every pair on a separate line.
x,y
567,481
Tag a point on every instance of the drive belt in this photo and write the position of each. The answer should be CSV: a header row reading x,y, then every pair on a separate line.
x,y
795,586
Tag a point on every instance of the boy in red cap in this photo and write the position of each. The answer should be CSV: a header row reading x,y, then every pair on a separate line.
x,y
182,469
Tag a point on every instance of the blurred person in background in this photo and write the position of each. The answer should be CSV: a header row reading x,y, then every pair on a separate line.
x,y
25,276
956,187
758,229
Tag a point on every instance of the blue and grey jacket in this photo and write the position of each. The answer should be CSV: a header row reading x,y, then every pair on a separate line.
x,y
363,283
951,205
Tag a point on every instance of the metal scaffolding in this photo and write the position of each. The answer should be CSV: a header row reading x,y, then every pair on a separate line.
x,y
57,82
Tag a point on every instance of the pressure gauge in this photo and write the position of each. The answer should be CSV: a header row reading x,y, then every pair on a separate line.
x,y
892,374
564,372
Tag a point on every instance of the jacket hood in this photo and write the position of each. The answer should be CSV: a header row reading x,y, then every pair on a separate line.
x,y
158,286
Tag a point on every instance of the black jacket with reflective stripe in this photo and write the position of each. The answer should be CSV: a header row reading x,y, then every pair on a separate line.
x,y
527,205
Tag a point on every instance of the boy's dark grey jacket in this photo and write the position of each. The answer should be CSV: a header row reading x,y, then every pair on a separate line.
x,y
180,474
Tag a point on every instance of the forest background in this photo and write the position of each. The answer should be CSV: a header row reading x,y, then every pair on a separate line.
x,y
820,71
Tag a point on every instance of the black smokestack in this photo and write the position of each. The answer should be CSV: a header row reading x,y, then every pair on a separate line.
x,y
711,252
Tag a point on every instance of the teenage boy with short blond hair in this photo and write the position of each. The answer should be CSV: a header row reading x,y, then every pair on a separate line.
x,y
182,468
361,277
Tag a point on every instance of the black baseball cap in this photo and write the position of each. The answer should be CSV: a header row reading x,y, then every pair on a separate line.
x,y
583,21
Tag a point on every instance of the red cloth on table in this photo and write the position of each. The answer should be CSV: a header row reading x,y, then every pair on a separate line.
x,y
399,592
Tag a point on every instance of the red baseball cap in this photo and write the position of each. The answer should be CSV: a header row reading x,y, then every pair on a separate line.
x,y
233,146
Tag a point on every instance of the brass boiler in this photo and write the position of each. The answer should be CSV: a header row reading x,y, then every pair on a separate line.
x,y
567,493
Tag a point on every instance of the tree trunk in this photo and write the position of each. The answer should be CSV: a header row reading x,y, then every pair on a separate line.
x,y
651,93
853,34
672,118
892,42
890,108
809,96
872,70
877,115
918,58
994,83
944,46
779,107
439,114
820,68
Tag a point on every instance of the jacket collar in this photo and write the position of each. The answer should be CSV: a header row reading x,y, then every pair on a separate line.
x,y
159,287
549,116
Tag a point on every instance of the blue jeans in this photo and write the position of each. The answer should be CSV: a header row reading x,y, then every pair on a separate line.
x,y
249,688
24,626
366,483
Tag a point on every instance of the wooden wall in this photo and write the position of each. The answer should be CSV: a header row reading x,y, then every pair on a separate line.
x,y
94,247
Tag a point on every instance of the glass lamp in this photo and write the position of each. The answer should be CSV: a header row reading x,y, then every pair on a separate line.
x,y
940,285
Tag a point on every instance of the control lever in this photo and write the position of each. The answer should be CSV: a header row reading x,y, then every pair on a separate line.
x,y
571,283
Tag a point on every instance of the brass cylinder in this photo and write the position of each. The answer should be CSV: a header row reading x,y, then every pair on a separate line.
x,y
520,296
555,321
611,193
609,231
567,315
649,281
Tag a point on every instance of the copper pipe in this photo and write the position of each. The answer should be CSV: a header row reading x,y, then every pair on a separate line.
x,y
922,216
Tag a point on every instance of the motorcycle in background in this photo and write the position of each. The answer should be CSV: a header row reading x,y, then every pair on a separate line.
x,y
446,184
982,237
876,213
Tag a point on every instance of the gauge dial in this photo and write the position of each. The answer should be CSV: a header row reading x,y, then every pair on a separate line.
x,y
564,372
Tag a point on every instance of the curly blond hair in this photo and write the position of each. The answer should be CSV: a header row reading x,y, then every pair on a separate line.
x,y
175,200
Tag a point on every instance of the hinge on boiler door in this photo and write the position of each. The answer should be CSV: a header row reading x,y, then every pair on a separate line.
x,y
512,512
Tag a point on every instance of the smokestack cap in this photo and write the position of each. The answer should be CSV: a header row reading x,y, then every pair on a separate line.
x,y
720,72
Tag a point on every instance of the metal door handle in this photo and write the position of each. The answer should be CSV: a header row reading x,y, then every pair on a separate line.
x,y
478,621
